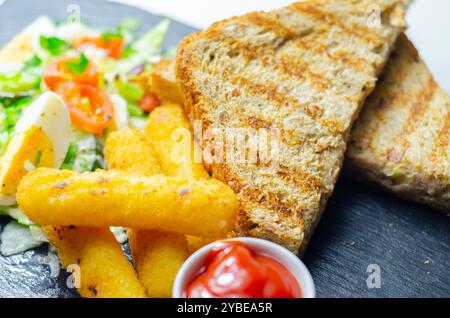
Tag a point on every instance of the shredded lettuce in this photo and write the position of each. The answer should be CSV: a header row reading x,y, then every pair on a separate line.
x,y
19,82
5,137
135,111
145,48
37,233
120,112
131,92
138,122
89,152
151,43
129,26
120,233
171,52
16,239
16,214
12,110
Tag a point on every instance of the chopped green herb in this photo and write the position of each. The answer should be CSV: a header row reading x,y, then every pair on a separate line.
x,y
13,110
21,102
78,66
38,158
108,35
34,61
128,51
53,45
70,156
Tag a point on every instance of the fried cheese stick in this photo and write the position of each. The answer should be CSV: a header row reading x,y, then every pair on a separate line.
x,y
104,270
117,198
170,133
157,255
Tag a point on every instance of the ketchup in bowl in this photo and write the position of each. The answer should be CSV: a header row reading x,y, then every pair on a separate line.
x,y
232,270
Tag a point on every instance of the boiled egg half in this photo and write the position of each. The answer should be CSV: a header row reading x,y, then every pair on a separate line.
x,y
41,139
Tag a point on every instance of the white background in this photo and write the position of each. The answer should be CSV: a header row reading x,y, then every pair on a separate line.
x,y
429,22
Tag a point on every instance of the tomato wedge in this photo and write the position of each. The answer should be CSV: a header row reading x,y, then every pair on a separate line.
x,y
90,108
149,102
113,45
58,73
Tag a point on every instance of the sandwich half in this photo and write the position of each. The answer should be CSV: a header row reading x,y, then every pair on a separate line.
x,y
402,138
303,71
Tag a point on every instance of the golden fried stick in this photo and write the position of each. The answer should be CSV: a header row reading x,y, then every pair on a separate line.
x,y
105,272
195,243
157,255
170,133
129,150
163,82
116,198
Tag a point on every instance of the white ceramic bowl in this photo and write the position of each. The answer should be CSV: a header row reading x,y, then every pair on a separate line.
x,y
195,262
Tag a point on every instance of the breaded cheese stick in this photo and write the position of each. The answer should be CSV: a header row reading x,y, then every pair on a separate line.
x,y
157,255
195,243
116,198
105,272
128,150
169,131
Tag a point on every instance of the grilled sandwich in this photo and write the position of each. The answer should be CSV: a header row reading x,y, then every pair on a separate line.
x,y
402,139
304,70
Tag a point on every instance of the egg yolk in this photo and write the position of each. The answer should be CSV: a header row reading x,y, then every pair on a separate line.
x,y
25,151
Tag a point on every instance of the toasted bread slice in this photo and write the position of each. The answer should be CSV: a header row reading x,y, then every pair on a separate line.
x,y
402,139
305,70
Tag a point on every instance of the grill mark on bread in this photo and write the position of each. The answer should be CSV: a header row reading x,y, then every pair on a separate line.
x,y
267,24
380,113
441,143
285,208
271,94
379,106
342,57
359,30
285,65
304,181
417,111
302,72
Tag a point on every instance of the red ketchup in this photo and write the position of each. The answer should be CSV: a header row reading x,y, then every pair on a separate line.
x,y
232,270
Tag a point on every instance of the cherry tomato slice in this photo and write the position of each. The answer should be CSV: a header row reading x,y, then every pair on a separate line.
x,y
90,108
113,45
57,73
149,102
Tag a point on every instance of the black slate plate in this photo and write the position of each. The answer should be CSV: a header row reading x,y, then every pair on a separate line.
x,y
362,226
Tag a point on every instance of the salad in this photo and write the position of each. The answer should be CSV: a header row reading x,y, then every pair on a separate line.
x,y
75,86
